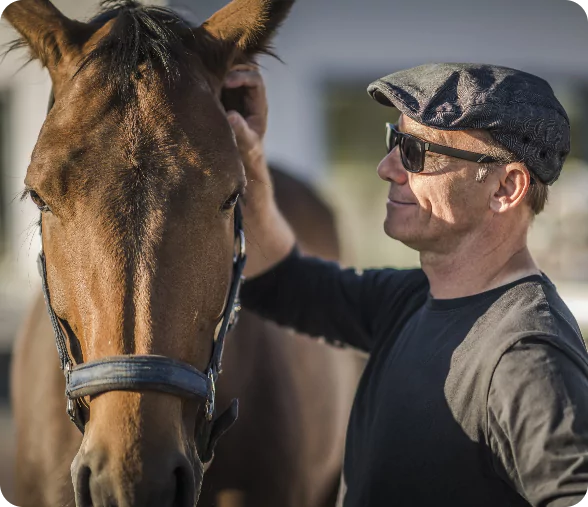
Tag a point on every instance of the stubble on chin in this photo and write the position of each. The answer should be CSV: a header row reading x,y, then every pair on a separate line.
x,y
410,238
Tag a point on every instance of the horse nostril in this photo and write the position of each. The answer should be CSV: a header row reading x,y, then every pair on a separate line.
x,y
185,486
105,481
82,490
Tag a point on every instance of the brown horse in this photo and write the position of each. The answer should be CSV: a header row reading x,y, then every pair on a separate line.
x,y
136,174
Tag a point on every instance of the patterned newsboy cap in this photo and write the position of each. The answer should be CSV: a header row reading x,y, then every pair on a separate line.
x,y
519,109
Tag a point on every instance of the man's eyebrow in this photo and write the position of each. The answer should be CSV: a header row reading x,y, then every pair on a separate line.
x,y
418,132
425,136
409,131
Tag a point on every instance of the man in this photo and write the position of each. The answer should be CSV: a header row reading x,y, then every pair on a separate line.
x,y
476,391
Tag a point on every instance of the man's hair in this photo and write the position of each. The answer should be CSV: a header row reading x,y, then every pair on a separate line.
x,y
538,192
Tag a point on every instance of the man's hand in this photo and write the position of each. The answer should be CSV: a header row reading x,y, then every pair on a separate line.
x,y
249,79
268,233
250,131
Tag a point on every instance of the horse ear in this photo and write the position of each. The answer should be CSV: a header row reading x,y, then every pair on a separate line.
x,y
53,38
247,26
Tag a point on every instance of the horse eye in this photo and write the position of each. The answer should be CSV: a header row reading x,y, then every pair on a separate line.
x,y
231,202
40,203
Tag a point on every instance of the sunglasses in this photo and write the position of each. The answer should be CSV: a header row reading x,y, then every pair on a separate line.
x,y
413,149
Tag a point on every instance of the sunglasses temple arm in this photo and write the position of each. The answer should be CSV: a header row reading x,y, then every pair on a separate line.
x,y
454,152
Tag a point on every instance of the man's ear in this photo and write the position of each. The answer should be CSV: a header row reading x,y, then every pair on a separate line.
x,y
512,184
243,29
53,38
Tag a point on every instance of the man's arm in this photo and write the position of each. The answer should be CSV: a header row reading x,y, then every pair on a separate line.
x,y
310,295
269,234
538,423
344,306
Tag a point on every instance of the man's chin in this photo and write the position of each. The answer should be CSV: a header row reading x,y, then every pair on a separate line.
x,y
401,234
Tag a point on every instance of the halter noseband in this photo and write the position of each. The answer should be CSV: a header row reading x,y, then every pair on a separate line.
x,y
153,372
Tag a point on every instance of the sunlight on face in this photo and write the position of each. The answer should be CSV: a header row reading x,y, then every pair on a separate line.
x,y
434,209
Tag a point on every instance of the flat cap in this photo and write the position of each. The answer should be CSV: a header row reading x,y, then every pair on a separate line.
x,y
519,109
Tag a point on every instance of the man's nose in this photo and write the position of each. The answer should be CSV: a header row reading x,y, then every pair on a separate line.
x,y
391,168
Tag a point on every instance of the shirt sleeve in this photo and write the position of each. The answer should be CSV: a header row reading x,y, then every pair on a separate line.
x,y
538,423
319,298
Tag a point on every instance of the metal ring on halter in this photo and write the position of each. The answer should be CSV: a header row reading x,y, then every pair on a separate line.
x,y
210,403
242,251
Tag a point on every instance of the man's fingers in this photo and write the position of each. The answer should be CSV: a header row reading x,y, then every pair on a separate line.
x,y
254,87
235,120
246,137
248,79
250,147
245,67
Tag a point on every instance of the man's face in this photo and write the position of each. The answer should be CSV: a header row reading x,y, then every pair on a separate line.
x,y
436,209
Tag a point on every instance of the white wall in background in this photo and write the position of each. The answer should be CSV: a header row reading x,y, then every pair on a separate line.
x,y
324,40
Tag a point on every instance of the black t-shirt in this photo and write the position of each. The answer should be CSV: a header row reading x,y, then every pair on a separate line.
x,y
475,401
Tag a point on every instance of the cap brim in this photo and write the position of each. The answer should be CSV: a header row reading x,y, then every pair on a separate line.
x,y
379,97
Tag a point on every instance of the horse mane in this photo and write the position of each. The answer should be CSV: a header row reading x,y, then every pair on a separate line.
x,y
157,37
150,37
141,36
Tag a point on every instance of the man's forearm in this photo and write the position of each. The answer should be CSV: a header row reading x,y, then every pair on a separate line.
x,y
269,236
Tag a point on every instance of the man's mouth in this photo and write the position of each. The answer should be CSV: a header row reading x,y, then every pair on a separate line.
x,y
396,202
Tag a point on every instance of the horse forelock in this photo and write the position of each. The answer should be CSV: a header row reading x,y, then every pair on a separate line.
x,y
143,38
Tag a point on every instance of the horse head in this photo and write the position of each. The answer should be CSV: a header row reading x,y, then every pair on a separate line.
x,y
137,175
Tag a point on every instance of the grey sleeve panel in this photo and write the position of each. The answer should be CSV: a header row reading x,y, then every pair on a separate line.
x,y
538,423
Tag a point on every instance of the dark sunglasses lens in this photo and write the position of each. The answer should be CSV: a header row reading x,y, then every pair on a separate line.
x,y
390,139
412,155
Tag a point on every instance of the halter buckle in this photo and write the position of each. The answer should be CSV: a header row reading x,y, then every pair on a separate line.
x,y
209,408
70,402
70,407
234,317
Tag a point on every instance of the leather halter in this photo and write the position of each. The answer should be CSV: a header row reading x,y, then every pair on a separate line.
x,y
153,372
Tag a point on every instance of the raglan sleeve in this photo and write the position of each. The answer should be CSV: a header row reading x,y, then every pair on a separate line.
x,y
538,422
321,299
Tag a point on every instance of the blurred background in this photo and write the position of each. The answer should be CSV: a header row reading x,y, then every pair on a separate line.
x,y
325,129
